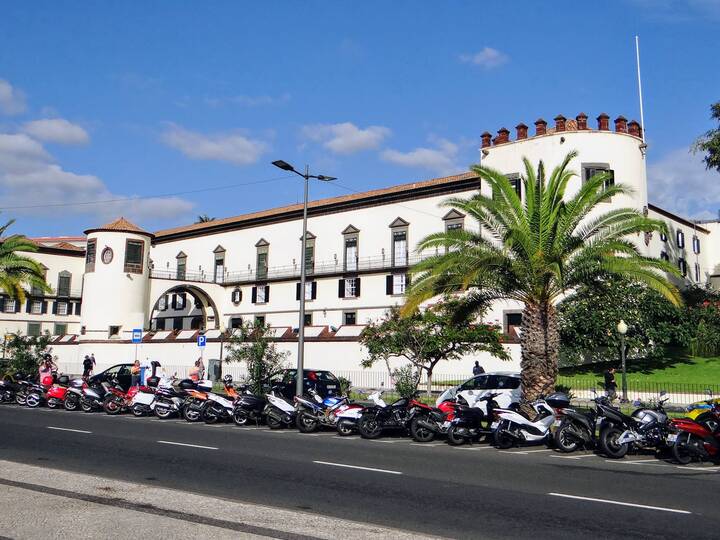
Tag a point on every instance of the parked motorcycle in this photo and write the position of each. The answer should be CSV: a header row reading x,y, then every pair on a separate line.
x,y
645,428
316,411
575,429
118,400
220,407
695,439
398,415
432,421
36,393
467,423
73,394
143,402
93,395
278,412
347,418
10,386
248,407
55,394
514,427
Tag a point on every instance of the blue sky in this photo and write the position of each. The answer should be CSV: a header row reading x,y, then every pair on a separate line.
x,y
106,100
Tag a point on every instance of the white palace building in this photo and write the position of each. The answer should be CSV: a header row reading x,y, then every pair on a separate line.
x,y
208,277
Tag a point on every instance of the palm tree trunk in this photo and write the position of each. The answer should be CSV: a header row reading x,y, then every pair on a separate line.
x,y
539,345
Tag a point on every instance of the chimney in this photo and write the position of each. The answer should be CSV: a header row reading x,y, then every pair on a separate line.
x,y
603,122
633,128
581,121
521,131
540,127
486,139
503,136
621,124
559,122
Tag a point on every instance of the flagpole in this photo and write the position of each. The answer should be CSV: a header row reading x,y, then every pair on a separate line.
x,y
642,116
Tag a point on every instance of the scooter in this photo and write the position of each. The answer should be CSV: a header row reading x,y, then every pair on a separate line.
x,y
348,417
695,440
316,412
55,395
73,394
218,407
248,407
512,427
278,412
93,396
467,424
432,421
143,402
575,429
9,387
36,393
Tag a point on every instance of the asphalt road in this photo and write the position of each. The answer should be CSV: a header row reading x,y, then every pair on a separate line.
x,y
466,492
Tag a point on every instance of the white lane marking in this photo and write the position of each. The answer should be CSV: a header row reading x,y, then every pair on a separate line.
x,y
514,452
703,469
68,429
634,505
638,462
536,451
356,467
385,442
473,447
427,445
581,456
190,445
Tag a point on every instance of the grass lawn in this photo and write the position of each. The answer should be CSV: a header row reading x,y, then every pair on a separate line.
x,y
680,370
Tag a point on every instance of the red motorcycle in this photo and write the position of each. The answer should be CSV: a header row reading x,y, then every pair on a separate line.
x,y
55,395
695,440
117,400
429,422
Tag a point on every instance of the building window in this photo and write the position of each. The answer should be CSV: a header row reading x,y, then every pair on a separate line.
x,y
34,329
513,321
349,287
179,301
350,318
682,265
399,248
178,323
259,320
663,237
261,266
219,271
308,319
36,307
261,294
664,256
90,253
236,322
591,169
309,253
159,324
697,272
680,237
60,329
134,256
236,296
61,308
396,283
696,244
113,332
351,253
163,302
38,291
63,287
181,271
310,290
10,305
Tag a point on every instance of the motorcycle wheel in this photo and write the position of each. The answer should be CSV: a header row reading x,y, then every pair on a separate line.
x,y
609,445
345,428
191,415
111,406
454,438
709,420
273,421
137,411
210,416
306,423
419,433
680,451
240,417
33,400
163,412
564,439
71,403
369,427
52,404
502,440
20,399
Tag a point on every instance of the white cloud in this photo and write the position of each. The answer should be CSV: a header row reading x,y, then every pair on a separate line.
x,y
248,101
441,159
679,182
57,130
19,154
346,138
487,58
12,100
233,147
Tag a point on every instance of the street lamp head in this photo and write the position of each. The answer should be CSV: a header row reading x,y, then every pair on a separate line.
x,y
324,178
622,328
284,165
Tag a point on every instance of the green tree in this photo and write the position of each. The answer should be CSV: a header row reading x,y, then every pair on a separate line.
x,y
709,143
23,353
589,317
425,337
536,251
18,272
252,345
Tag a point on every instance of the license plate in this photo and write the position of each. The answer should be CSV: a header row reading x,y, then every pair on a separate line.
x,y
331,387
672,437
557,423
494,425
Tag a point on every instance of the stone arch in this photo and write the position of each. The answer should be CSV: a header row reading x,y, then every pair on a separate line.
x,y
197,311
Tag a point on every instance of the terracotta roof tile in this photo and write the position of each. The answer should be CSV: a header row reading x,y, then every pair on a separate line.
x,y
67,245
121,225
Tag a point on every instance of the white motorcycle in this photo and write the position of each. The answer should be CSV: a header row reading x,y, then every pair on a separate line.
x,y
219,407
512,427
278,412
348,415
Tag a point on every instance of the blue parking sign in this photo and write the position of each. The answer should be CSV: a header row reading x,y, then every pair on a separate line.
x,y
137,335
201,341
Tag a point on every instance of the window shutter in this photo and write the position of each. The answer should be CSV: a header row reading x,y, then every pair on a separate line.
x,y
341,288
254,295
28,306
407,281
297,291
77,308
611,181
18,305
388,284
267,293
54,308
357,286
313,292
44,307
2,303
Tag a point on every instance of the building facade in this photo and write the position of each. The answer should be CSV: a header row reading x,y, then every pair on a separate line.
x,y
210,277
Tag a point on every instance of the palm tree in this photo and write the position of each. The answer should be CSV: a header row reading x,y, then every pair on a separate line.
x,y
18,271
204,218
536,252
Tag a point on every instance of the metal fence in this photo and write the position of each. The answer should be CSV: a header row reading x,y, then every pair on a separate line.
x,y
680,393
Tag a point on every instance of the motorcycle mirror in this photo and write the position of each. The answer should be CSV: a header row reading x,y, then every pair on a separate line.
x,y
663,392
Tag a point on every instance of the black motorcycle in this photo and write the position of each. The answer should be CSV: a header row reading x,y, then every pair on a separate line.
x,y
10,385
396,416
472,423
577,429
248,408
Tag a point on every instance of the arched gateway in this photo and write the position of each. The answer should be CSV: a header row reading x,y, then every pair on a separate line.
x,y
184,307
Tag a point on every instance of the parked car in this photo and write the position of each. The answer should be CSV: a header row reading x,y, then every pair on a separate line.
x,y
323,382
119,372
506,384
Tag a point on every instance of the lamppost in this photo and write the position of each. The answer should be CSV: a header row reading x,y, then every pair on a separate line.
x,y
285,166
622,329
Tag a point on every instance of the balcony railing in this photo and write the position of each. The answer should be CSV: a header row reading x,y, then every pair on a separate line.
x,y
320,268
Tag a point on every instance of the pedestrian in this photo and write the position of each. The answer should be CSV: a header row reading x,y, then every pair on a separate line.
x,y
477,369
201,369
610,384
194,372
92,359
47,366
135,373
87,367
